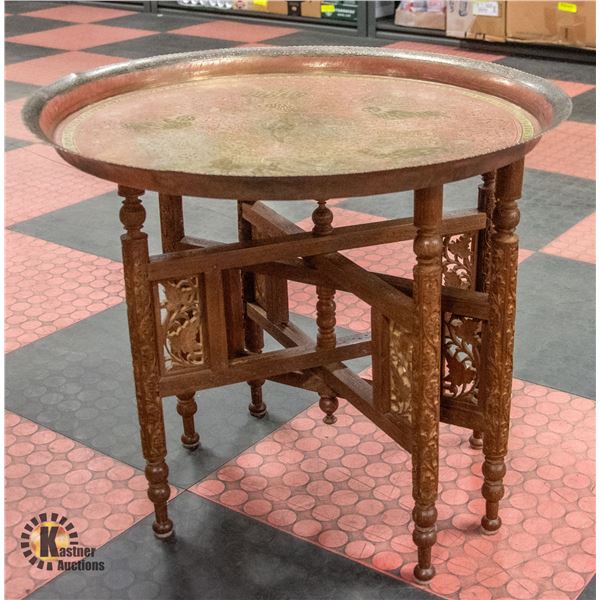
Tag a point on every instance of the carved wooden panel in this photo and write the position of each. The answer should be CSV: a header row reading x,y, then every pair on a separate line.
x,y
461,354
401,349
461,339
458,260
181,322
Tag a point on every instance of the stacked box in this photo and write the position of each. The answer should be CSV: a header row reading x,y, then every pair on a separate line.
x,y
427,14
567,23
480,20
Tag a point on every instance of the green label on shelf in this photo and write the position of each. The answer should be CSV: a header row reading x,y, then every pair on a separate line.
x,y
567,7
327,8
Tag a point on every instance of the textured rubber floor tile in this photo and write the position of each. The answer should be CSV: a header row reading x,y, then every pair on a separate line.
x,y
235,32
443,49
219,554
347,488
42,71
584,107
16,53
578,243
161,43
49,287
79,37
569,149
20,24
13,121
14,90
37,181
158,22
79,14
48,473
573,88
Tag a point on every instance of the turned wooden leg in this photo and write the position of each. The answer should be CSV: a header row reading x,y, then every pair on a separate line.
x,y
499,339
187,407
253,334
426,373
140,314
322,218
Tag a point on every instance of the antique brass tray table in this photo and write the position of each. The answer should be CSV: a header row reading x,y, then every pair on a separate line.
x,y
316,123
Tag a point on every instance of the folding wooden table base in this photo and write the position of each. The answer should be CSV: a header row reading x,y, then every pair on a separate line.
x,y
441,344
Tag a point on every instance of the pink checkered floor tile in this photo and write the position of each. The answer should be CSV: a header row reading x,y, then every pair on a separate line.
x,y
347,488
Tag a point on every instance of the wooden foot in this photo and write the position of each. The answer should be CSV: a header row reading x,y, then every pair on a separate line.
x,y
329,404
499,339
257,407
159,492
187,407
426,373
476,440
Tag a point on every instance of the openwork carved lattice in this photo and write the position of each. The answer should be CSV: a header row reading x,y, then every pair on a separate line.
x,y
461,348
461,335
457,260
181,322
401,349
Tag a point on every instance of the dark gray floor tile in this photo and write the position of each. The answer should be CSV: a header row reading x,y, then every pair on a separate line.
x,y
23,6
219,554
589,593
552,69
15,53
78,381
13,144
457,196
205,218
325,38
551,204
20,24
161,43
14,90
555,341
584,107
155,22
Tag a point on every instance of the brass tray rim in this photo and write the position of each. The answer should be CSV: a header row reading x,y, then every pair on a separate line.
x,y
511,83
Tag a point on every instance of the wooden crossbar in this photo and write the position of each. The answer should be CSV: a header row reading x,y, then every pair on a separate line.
x,y
261,366
243,254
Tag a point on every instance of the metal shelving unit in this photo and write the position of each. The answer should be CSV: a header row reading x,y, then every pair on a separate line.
x,y
367,25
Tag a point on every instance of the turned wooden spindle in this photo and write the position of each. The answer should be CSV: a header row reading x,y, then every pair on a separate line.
x,y
144,351
426,373
322,218
253,333
499,339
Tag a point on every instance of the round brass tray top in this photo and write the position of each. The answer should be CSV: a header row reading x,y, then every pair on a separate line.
x,y
294,123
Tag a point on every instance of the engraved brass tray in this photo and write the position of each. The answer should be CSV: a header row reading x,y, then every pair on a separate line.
x,y
294,123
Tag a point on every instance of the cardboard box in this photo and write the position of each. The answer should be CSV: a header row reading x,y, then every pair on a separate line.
x,y
426,14
310,8
480,20
567,23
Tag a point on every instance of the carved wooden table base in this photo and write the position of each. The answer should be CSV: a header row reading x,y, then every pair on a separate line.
x,y
441,345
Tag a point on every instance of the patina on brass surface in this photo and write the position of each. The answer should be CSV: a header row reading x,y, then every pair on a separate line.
x,y
291,123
